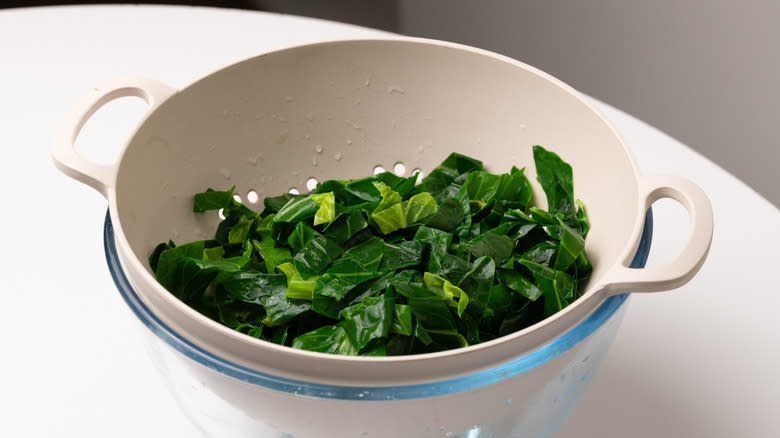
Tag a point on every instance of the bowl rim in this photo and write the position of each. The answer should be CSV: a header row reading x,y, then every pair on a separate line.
x,y
473,380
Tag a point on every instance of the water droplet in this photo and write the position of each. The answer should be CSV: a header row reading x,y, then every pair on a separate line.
x,y
307,137
225,173
353,125
349,142
522,127
314,161
367,82
337,156
289,99
391,89
318,148
253,160
283,136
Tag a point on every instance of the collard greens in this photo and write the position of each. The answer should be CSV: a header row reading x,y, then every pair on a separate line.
x,y
385,266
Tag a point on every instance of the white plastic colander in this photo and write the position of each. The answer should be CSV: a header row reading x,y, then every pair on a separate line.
x,y
337,110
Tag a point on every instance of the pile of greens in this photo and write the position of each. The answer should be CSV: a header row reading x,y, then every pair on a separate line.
x,y
385,266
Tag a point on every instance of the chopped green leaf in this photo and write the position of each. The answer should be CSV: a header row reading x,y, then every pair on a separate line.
x,y
399,256
267,290
301,235
297,287
402,320
345,226
492,245
331,339
212,200
390,219
240,231
389,197
571,246
272,254
419,207
369,320
326,208
297,209
273,204
380,266
167,262
555,176
316,255
517,282
455,296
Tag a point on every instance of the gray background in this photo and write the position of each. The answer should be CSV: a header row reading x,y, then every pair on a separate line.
x,y
704,71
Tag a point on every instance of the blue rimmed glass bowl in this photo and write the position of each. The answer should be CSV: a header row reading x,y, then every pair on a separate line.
x,y
529,396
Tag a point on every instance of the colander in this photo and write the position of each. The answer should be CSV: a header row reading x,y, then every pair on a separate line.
x,y
284,120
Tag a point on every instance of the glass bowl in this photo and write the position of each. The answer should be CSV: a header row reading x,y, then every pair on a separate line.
x,y
531,395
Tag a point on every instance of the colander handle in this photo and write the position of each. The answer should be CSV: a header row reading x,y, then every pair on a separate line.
x,y
686,264
101,177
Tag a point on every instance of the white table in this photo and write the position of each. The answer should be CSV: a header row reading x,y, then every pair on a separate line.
x,y
702,361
